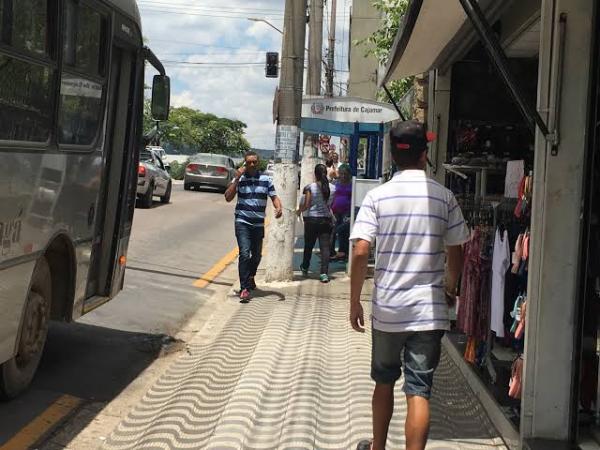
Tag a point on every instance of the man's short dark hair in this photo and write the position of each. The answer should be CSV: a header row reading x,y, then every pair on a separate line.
x,y
250,153
409,142
407,158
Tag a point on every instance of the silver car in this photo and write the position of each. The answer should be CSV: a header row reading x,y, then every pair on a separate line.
x,y
209,169
153,179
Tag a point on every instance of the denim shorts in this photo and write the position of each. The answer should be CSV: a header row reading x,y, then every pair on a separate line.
x,y
418,353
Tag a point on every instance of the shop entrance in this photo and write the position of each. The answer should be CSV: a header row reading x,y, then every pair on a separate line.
x,y
586,395
489,167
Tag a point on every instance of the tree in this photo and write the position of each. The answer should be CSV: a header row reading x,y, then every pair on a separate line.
x,y
380,43
190,131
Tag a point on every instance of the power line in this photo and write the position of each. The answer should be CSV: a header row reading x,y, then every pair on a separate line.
x,y
211,8
232,14
224,14
206,65
199,44
260,52
164,11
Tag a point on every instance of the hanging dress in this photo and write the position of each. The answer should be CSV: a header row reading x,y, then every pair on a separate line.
x,y
500,265
470,286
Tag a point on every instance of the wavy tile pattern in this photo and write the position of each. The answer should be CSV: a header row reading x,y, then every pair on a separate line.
x,y
288,375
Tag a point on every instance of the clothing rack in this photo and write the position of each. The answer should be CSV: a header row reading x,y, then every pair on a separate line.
x,y
488,213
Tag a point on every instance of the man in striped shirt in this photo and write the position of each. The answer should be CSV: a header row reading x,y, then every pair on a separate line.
x,y
416,223
253,190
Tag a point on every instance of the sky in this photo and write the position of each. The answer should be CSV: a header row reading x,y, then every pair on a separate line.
x,y
215,56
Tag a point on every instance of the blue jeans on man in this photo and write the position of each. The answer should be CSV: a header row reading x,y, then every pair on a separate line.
x,y
250,241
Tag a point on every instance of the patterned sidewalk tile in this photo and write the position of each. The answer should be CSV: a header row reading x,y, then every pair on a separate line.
x,y
289,374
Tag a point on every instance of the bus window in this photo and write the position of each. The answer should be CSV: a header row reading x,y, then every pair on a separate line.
x,y
27,27
70,16
90,38
80,111
85,35
27,106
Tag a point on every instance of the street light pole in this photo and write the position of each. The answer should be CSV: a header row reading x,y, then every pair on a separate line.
x,y
331,52
280,242
254,19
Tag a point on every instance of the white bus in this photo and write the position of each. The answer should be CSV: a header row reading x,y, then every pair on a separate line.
x,y
71,105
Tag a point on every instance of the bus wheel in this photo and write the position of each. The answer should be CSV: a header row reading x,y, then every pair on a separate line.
x,y
147,197
17,373
167,197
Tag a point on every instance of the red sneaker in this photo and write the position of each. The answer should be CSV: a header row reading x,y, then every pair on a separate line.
x,y
245,296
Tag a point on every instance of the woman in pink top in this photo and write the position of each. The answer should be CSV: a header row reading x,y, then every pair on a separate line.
x,y
341,210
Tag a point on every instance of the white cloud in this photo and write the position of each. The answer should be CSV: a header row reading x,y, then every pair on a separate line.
x,y
242,93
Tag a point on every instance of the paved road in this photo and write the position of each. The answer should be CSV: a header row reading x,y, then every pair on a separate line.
x,y
94,359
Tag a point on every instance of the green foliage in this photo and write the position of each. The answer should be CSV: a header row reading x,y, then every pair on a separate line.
x,y
380,43
191,131
177,170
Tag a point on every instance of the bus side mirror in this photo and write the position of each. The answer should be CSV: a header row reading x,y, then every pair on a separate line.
x,y
161,97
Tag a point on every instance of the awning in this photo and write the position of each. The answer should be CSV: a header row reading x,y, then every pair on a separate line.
x,y
430,27
432,32
344,116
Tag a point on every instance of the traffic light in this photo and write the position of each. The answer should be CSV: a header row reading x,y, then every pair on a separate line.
x,y
272,67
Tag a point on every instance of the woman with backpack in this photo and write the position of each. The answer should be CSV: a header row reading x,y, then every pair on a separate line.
x,y
318,220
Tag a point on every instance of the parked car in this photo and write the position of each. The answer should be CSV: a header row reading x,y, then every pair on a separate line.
x,y
161,153
153,179
209,169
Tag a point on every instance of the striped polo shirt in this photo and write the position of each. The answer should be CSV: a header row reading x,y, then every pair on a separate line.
x,y
253,193
413,219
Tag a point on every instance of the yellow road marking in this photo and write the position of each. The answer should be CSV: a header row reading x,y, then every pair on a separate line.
x,y
43,423
216,270
219,267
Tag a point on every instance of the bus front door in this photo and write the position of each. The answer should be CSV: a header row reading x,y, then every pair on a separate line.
x,y
117,197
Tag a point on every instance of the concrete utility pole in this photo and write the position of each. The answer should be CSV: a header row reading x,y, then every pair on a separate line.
x,y
310,156
331,52
315,47
281,233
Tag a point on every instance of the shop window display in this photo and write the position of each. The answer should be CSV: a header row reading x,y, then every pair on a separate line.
x,y
490,169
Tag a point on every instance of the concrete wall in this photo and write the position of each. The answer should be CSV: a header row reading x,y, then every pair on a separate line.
x,y
365,21
438,121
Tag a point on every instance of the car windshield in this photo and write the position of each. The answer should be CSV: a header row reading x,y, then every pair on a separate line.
x,y
208,158
146,156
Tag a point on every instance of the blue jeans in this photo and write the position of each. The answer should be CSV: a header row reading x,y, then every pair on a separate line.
x,y
250,240
421,353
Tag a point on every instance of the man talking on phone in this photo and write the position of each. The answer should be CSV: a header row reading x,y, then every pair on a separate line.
x,y
252,188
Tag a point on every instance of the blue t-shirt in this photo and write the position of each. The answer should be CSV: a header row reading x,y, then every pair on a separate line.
x,y
253,193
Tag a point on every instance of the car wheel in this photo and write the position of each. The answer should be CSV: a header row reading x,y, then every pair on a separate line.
x,y
147,197
17,373
187,187
167,197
